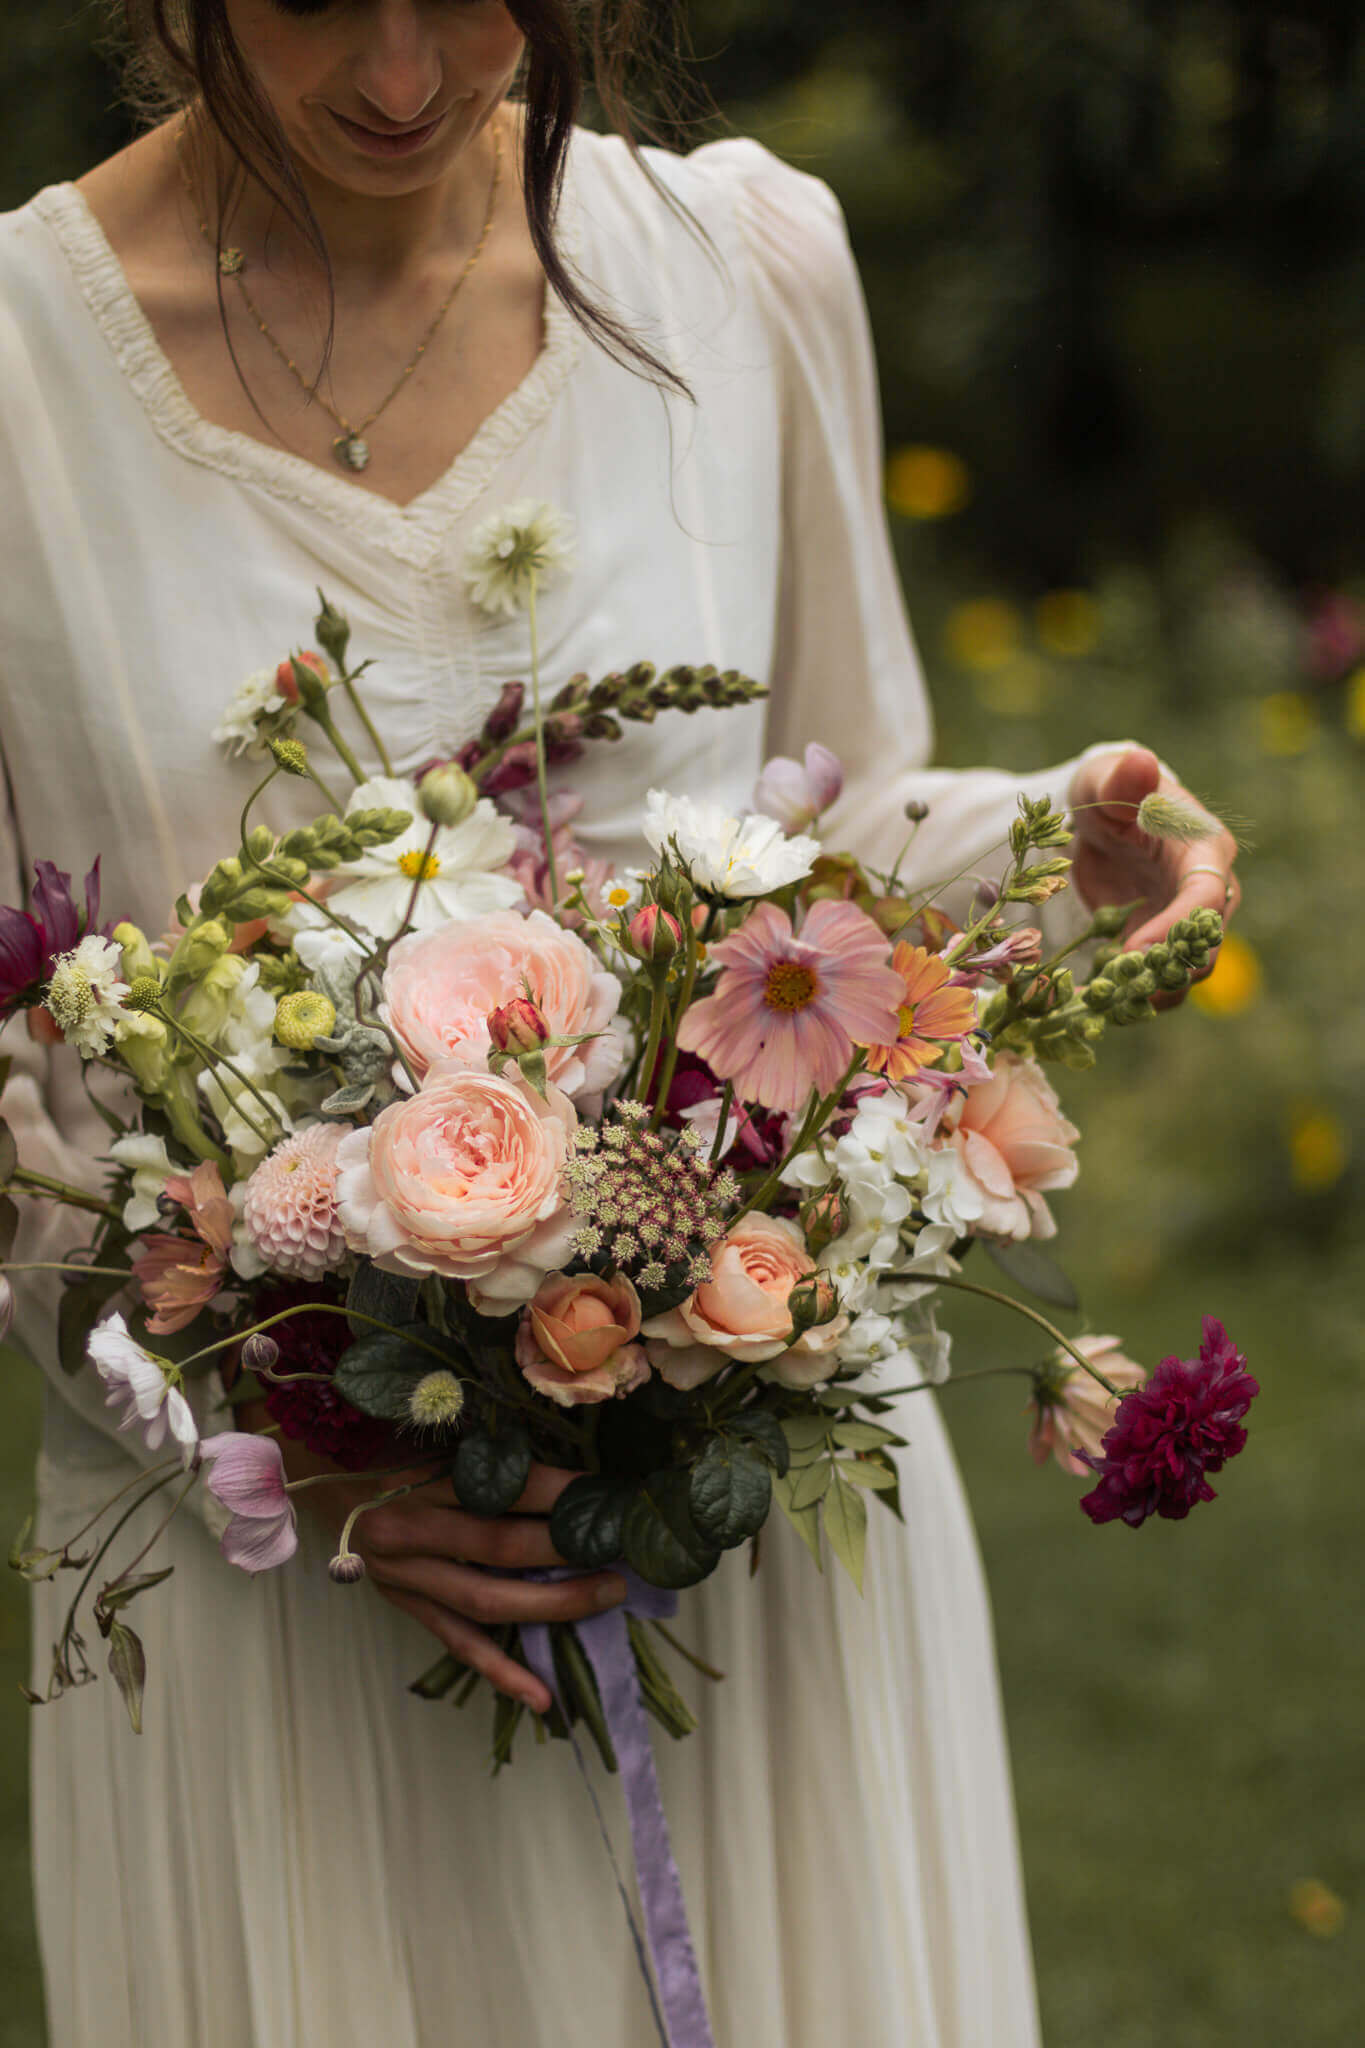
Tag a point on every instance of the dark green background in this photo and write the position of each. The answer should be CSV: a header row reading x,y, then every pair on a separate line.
x,y
1115,259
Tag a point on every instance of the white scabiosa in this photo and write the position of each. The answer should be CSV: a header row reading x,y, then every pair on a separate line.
x,y
290,1208
256,697
525,546
736,858
85,995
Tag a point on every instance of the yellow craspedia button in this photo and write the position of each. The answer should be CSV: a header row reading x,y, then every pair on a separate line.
x,y
927,483
1235,983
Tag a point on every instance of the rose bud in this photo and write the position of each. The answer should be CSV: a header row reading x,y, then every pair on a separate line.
x,y
518,1027
447,795
287,683
654,934
823,1220
812,1303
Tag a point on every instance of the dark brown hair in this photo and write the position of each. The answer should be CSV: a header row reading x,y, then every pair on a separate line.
x,y
629,53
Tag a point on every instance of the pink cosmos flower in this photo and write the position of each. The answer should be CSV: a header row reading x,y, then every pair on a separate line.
x,y
440,986
1014,1142
1070,1411
788,1010
575,1341
179,1275
797,793
246,1473
463,1179
290,1206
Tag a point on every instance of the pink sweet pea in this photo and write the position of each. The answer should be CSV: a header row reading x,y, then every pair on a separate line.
x,y
246,1473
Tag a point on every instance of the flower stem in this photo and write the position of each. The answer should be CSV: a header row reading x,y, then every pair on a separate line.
x,y
334,803
697,1663
67,1266
315,1308
657,1009
671,1053
542,772
1021,1308
165,1521
727,1096
60,1191
348,684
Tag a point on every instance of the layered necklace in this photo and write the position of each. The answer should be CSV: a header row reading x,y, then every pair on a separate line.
x,y
350,447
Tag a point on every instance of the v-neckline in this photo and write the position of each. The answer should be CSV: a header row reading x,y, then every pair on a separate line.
x,y
415,531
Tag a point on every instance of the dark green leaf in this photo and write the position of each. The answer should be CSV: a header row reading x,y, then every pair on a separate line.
x,y
763,1430
123,1590
128,1663
491,1469
862,1436
378,1373
657,1689
846,1527
9,1154
731,1494
1035,1272
388,1297
658,1535
633,1439
585,1522
77,1313
438,1678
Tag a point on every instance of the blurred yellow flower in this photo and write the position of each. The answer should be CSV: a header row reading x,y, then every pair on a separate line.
x,y
1317,1907
1020,689
1355,704
1235,983
983,633
1287,722
927,483
1068,622
1319,1149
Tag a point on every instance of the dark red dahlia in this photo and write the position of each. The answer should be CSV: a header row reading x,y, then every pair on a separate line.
x,y
312,1411
1167,1435
31,940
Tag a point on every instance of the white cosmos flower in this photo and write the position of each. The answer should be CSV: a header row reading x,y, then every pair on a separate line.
x,y
727,856
525,541
136,1381
152,1166
85,995
459,878
255,698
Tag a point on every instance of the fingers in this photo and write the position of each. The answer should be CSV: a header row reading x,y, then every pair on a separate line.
x,y
483,1597
1110,788
473,1647
543,1488
414,1529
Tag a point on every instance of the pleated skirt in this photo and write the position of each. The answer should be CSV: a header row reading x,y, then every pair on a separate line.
x,y
299,1853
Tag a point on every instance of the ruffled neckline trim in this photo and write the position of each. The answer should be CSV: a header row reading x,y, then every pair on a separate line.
x,y
414,532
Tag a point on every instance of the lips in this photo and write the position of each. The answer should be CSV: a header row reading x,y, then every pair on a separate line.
x,y
386,142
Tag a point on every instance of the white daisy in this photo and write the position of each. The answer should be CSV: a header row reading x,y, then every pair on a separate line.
x,y
524,542
85,995
255,698
459,877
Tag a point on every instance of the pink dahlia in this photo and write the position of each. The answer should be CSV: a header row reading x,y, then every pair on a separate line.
x,y
290,1206
1186,1422
788,1011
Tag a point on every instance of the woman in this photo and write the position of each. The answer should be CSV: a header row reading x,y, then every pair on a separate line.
x,y
408,336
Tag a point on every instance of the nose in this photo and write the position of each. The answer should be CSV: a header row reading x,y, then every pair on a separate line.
x,y
398,71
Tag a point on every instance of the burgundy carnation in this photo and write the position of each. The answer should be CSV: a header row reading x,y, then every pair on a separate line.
x,y
311,1410
1185,1422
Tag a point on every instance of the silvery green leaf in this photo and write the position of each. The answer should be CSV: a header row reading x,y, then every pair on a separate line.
x,y
862,1436
846,1527
812,1483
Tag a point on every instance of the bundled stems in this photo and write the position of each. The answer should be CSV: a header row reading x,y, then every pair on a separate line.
x,y
542,771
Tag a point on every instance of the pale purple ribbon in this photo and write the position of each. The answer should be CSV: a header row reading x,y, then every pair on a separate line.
x,y
683,2022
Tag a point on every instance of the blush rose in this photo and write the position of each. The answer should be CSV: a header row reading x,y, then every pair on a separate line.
x,y
741,1315
575,1340
1014,1143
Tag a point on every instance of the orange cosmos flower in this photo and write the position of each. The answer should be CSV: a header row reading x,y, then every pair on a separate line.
x,y
929,1011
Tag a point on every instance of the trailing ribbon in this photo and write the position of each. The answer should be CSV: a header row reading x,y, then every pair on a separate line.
x,y
683,2022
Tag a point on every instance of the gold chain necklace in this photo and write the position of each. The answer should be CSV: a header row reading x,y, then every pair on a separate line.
x,y
350,447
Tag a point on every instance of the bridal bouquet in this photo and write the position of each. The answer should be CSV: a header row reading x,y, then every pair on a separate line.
x,y
458,1151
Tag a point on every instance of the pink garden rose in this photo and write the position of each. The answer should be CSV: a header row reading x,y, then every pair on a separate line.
x,y
462,1179
1014,1142
1071,1411
741,1313
440,986
574,1342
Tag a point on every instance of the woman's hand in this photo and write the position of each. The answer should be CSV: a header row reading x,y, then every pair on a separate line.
x,y
1116,862
431,1558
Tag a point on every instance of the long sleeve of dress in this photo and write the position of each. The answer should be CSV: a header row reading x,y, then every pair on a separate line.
x,y
846,671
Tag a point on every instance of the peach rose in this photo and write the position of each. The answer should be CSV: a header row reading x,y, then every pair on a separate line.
x,y
1014,1142
462,1179
574,1342
1074,1412
440,986
740,1315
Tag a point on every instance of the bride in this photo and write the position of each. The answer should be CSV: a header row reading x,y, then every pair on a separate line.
x,y
362,283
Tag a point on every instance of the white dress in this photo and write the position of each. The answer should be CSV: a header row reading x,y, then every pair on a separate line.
x,y
297,1853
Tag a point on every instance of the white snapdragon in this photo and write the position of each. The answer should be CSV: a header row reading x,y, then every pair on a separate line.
x,y
458,872
151,1166
255,698
526,544
85,995
736,858
250,1126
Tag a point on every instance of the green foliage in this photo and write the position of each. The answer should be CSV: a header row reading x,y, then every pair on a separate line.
x,y
659,1537
491,1469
